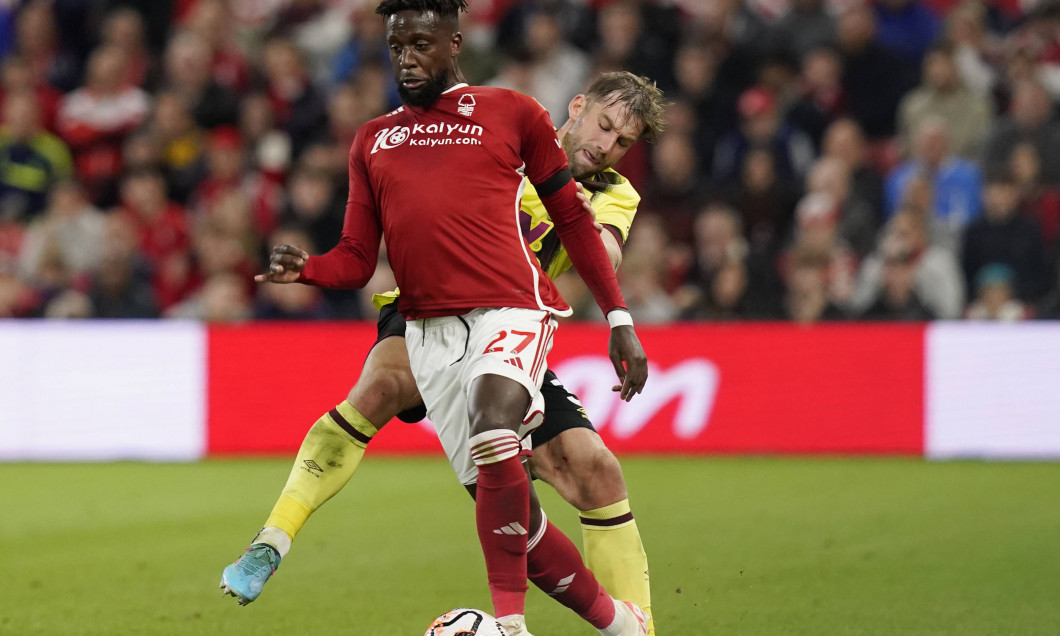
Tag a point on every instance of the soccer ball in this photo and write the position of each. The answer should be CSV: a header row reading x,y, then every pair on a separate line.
x,y
465,622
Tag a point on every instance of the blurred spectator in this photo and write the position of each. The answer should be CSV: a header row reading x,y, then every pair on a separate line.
x,y
299,108
227,173
995,296
906,28
737,29
160,225
17,299
16,76
123,28
7,28
95,119
766,204
806,299
71,227
121,287
710,104
843,140
270,147
675,191
642,286
181,143
189,75
640,37
977,51
956,181
943,96
807,25
1038,38
905,253
313,204
822,99
1038,201
319,28
557,71
365,46
1029,121
1003,236
215,24
222,298
67,304
762,125
858,222
293,302
32,160
897,297
37,41
723,282
816,238
873,78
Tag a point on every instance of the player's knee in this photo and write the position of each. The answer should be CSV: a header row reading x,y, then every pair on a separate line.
x,y
383,392
599,478
491,417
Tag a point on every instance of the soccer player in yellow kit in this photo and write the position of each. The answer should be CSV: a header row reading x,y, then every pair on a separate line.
x,y
616,110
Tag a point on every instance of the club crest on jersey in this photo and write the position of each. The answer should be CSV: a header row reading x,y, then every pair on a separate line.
x,y
466,105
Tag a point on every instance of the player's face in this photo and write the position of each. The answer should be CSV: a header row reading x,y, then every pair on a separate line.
x,y
602,132
423,48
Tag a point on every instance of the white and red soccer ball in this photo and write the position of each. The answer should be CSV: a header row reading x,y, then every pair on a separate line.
x,y
465,622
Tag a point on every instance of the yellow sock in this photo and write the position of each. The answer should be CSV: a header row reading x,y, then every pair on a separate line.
x,y
329,456
615,554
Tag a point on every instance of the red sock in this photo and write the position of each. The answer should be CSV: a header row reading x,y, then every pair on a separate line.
x,y
502,514
556,566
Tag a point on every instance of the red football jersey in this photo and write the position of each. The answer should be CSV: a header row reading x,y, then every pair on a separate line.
x,y
443,185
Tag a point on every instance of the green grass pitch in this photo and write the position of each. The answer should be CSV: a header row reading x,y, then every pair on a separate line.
x,y
737,546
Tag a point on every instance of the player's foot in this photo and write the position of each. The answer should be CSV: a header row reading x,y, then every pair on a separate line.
x,y
514,625
245,578
634,620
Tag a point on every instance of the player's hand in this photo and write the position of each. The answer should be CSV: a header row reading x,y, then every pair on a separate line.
x,y
631,364
285,265
587,203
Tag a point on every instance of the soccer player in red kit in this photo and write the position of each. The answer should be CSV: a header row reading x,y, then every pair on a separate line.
x,y
441,179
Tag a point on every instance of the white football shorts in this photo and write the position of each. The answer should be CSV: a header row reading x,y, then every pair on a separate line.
x,y
448,353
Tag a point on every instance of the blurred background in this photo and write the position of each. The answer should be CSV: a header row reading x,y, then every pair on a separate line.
x,y
825,159
847,192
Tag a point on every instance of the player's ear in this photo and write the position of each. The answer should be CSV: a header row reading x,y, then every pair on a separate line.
x,y
456,44
576,106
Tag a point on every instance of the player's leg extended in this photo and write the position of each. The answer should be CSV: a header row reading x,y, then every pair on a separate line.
x,y
555,566
570,456
327,459
333,447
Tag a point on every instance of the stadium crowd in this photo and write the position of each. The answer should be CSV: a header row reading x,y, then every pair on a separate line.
x,y
824,159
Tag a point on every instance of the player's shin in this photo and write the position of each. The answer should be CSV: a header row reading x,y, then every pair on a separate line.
x,y
615,553
555,566
329,456
502,515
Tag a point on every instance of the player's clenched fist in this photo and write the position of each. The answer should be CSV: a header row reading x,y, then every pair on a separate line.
x,y
285,265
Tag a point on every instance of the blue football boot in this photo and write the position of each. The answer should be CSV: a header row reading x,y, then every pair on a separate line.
x,y
245,578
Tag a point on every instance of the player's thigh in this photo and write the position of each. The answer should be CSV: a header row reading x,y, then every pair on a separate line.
x,y
386,386
504,366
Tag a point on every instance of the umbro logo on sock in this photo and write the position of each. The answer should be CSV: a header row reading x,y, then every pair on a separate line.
x,y
312,466
512,528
